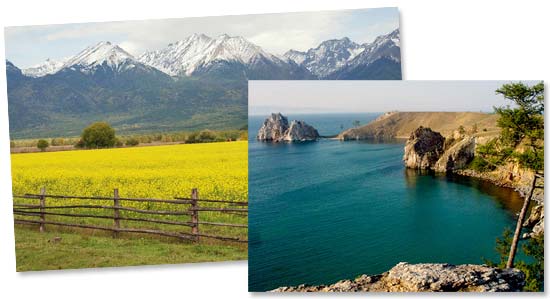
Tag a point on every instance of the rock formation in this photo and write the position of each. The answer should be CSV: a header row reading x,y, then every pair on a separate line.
x,y
535,221
273,128
300,131
457,156
423,148
406,277
276,129
426,149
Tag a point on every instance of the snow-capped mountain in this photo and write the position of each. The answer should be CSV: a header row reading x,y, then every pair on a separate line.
x,y
48,67
381,56
383,46
102,55
106,82
333,56
296,56
231,56
198,50
200,54
328,57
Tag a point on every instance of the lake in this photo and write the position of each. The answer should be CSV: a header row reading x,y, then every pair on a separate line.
x,y
330,210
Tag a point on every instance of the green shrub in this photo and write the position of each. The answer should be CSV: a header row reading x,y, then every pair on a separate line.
x,y
98,135
480,164
42,144
533,268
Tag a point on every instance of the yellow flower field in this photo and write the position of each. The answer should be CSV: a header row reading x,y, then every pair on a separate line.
x,y
218,170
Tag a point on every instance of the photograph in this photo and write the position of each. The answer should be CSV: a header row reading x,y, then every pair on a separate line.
x,y
129,139
396,186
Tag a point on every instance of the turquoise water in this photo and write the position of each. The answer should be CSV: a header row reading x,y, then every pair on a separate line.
x,y
330,210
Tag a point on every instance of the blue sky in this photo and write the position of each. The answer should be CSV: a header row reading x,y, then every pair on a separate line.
x,y
30,45
291,97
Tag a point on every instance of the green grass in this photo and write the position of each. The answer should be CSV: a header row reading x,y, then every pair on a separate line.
x,y
89,249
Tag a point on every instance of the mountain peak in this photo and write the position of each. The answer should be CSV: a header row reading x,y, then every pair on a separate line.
x,y
101,53
198,50
50,66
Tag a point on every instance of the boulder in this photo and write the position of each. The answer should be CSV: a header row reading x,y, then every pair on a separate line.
x,y
406,277
423,148
276,129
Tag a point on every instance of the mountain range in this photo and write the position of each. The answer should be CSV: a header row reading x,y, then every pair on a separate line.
x,y
199,82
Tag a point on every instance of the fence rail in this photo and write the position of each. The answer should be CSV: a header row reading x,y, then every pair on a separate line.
x,y
193,210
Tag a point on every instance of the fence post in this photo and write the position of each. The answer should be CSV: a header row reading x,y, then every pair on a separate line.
x,y
195,213
117,212
42,206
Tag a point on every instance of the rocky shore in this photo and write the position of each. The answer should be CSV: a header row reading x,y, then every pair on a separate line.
x,y
429,150
406,277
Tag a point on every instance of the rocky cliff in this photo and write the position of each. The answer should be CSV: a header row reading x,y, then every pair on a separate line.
x,y
426,149
423,148
406,277
276,129
457,155
273,128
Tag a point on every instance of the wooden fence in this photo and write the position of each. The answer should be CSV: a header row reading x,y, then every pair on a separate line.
x,y
41,210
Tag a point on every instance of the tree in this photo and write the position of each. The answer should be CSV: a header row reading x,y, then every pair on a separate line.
x,y
524,123
534,248
207,136
356,123
98,135
42,144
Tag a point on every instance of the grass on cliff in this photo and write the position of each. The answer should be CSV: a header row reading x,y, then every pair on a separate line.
x,y
39,251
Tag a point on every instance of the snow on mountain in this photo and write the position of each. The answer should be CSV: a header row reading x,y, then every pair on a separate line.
x,y
333,55
201,54
328,57
48,67
101,54
384,46
199,51
296,56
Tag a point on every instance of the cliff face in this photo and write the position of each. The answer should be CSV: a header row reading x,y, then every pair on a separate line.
x,y
423,148
406,277
276,129
457,156
426,149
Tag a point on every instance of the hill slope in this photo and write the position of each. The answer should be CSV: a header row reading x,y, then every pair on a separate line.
x,y
401,124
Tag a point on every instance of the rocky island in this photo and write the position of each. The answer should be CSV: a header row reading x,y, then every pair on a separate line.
x,y
277,129
406,277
